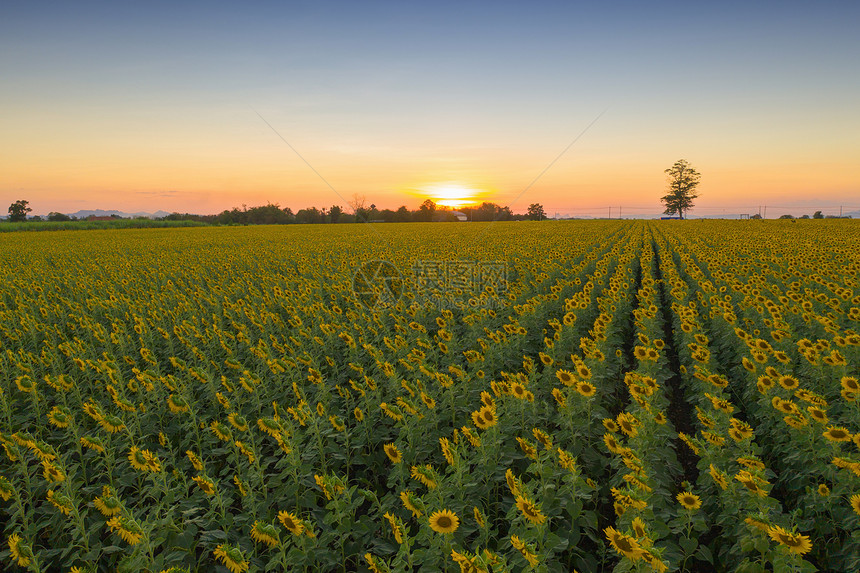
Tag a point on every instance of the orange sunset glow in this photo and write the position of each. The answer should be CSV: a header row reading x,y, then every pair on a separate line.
x,y
456,196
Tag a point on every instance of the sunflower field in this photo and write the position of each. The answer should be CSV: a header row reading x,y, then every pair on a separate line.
x,y
546,396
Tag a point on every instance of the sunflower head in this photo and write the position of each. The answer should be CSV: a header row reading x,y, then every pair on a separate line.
x,y
393,453
444,521
688,500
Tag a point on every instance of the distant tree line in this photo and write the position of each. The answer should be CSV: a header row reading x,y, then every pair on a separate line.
x,y
274,214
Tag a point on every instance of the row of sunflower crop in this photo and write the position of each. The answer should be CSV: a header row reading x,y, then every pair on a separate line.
x,y
788,391
755,532
652,523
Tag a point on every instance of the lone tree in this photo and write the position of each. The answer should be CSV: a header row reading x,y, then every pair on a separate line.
x,y
18,211
683,180
536,212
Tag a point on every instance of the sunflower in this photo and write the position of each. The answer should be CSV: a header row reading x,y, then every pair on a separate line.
x,y
373,564
610,425
232,558
749,481
625,545
520,546
794,542
823,490
444,521
485,417
265,533
25,384
689,500
221,431
177,404
788,382
638,527
565,377
61,502
391,413
446,450
625,500
528,448
425,475
19,550
782,357
855,503
627,423
92,443
513,483
851,384
52,473
530,510
205,484
559,396
138,459
546,359
111,423
542,437
751,463
289,520
409,502
473,439
784,406
761,526
42,450
518,390
108,504
238,422
479,517
60,416
195,461
7,490
689,441
612,444
587,389
126,528
837,434
743,429
393,453
817,414
396,527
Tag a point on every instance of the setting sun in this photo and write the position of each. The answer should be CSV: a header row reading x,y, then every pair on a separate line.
x,y
454,196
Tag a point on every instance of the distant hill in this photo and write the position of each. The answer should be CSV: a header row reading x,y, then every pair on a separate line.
x,y
83,214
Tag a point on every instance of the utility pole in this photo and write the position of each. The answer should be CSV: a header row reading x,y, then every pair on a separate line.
x,y
619,211
840,211
765,212
610,212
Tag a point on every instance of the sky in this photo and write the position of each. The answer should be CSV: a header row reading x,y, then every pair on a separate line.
x,y
204,106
